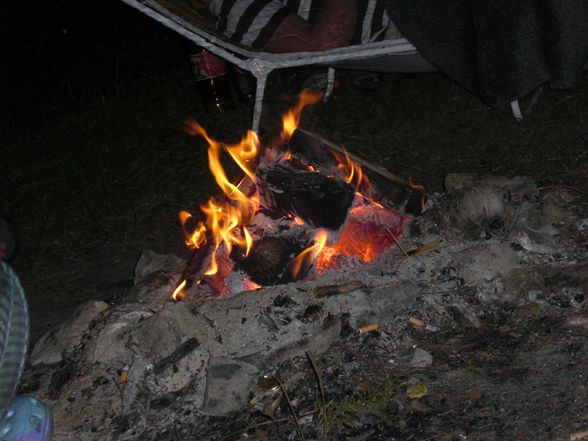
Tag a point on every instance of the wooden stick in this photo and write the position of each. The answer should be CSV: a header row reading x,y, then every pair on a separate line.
x,y
331,290
319,380
290,406
397,242
378,169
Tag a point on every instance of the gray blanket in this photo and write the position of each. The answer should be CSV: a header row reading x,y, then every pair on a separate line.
x,y
500,50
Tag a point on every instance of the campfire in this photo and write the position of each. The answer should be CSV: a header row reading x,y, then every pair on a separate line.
x,y
301,206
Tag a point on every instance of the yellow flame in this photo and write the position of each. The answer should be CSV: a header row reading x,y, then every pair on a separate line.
x,y
421,189
225,220
291,119
370,200
196,238
178,293
310,253
352,172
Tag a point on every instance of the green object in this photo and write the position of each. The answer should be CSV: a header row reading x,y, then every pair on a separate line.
x,y
14,335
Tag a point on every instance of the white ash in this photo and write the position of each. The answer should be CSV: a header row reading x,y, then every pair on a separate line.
x,y
202,356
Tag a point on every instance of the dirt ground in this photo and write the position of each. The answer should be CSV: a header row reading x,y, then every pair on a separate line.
x,y
96,170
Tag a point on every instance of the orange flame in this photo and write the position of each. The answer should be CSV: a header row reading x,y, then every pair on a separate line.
x,y
352,173
226,220
250,285
309,254
178,293
291,119
196,238
421,189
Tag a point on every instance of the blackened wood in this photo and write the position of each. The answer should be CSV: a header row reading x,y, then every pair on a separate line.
x,y
268,260
332,290
193,269
319,200
388,189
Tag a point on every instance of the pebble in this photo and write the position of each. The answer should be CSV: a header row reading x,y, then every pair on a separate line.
x,y
421,358
582,224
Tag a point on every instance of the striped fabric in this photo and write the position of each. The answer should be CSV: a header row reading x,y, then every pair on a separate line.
x,y
252,22
14,334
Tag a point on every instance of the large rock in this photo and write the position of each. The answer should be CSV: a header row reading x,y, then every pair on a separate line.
x,y
57,344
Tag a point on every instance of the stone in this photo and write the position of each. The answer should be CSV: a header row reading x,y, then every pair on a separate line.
x,y
150,262
485,262
111,346
457,181
533,231
59,343
421,358
472,211
227,386
582,224
161,334
154,290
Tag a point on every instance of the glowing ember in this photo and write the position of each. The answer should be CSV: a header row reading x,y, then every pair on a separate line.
x,y
366,235
250,285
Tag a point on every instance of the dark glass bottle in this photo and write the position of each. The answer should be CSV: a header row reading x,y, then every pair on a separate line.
x,y
212,79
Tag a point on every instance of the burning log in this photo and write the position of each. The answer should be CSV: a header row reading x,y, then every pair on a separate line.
x,y
319,200
269,259
193,269
390,190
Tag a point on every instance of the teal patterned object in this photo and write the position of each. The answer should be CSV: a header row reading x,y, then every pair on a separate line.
x,y
14,335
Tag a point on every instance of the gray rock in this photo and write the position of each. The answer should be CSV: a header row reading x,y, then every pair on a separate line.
x,y
150,262
227,386
153,291
112,345
421,358
482,263
59,343
162,334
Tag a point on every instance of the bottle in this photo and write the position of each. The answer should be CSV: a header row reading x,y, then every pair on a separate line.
x,y
243,83
212,79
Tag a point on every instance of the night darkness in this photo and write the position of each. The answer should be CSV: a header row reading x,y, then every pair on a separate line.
x,y
59,48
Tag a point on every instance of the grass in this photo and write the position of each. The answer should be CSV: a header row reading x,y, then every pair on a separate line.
x,y
373,401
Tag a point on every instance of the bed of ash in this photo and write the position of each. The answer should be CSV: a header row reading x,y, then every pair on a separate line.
x,y
468,328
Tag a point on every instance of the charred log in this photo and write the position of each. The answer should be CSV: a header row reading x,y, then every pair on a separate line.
x,y
269,260
194,266
390,190
319,200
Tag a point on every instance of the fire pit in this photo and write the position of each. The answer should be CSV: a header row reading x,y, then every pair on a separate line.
x,y
303,206
311,247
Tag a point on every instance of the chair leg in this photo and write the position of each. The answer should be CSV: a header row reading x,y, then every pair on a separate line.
x,y
521,109
330,83
515,107
258,104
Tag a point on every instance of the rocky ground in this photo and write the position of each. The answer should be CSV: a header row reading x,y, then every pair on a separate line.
x,y
480,334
